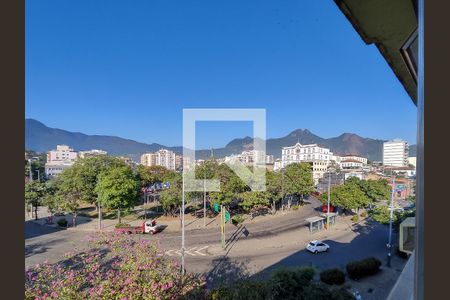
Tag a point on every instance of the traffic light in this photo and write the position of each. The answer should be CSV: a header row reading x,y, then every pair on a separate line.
x,y
227,216
216,207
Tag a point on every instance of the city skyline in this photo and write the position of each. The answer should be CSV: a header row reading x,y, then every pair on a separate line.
x,y
130,70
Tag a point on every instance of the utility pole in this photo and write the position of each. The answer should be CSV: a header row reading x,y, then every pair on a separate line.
x,y
329,196
31,179
391,211
39,177
204,198
99,214
222,225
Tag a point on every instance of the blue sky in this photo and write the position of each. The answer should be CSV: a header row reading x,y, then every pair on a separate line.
x,y
128,68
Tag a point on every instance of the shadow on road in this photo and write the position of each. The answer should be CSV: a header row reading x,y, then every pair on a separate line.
x,y
224,270
38,248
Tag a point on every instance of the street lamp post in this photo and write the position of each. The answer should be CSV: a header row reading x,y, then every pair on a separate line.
x,y
31,179
204,200
391,211
182,226
328,209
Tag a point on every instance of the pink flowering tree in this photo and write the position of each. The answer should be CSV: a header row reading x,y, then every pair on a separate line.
x,y
114,267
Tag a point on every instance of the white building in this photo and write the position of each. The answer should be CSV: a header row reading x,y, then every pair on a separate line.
x,y
54,168
354,174
318,157
92,152
163,157
248,157
62,153
58,160
395,153
361,159
412,161
351,164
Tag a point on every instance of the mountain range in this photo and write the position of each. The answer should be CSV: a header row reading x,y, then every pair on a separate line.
x,y
40,138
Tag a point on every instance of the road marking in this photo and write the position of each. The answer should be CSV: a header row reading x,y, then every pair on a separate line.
x,y
194,251
198,250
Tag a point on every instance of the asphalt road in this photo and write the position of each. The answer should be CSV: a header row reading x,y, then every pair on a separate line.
x,y
278,242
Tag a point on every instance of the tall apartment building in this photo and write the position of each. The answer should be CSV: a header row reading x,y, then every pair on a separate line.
x,y
395,153
163,157
62,153
60,159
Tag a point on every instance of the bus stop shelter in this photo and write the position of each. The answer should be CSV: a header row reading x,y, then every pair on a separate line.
x,y
331,215
315,223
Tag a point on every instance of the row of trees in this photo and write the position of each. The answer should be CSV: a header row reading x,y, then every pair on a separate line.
x,y
295,181
355,194
99,180
109,182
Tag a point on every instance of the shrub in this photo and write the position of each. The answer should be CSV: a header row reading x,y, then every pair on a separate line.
x,y
295,207
320,291
121,225
364,214
288,284
113,267
332,276
246,289
237,219
355,218
62,223
362,268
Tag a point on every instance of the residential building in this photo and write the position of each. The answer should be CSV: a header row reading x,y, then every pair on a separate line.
x,y
62,153
248,157
60,159
129,161
92,152
395,153
54,168
359,175
351,164
354,157
407,171
277,164
163,157
412,161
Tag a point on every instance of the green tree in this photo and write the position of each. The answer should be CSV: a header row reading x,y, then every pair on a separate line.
x,y
34,192
38,161
375,190
50,200
348,196
170,200
298,180
251,199
89,170
118,188
274,187
153,174
69,191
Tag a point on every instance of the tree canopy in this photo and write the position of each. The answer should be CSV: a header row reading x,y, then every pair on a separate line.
x,y
118,188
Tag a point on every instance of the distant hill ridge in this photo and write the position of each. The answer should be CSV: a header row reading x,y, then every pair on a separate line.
x,y
40,138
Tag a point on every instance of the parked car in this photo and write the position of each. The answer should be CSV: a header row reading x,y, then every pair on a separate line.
x,y
325,208
317,246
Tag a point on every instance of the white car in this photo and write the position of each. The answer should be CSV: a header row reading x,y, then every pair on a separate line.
x,y
317,246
